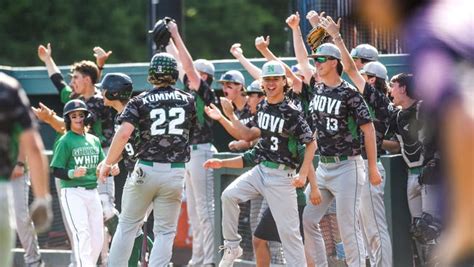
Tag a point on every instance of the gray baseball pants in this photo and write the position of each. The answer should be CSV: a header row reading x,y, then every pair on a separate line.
x,y
200,203
24,226
342,181
160,184
374,223
275,186
421,198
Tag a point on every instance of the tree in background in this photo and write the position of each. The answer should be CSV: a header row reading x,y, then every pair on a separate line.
x,y
74,27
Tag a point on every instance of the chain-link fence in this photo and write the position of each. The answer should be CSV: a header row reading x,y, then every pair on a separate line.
x,y
354,29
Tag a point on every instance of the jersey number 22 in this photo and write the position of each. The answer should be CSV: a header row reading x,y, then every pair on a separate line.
x,y
175,116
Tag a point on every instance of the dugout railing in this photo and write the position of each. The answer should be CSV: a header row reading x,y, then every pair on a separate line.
x,y
396,208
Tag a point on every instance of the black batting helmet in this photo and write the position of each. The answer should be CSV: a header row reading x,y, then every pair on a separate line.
x,y
73,105
160,33
117,86
163,64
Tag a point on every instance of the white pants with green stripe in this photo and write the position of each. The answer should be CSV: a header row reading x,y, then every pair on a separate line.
x,y
275,186
162,186
200,204
374,223
7,224
343,182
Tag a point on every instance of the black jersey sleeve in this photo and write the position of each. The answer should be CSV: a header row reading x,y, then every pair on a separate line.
x,y
359,108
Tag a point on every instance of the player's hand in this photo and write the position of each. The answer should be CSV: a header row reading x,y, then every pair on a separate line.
x,y
41,213
293,21
315,195
330,26
172,28
101,56
80,171
374,176
44,53
227,107
313,18
115,170
262,43
212,164
236,50
17,172
104,172
213,112
43,113
299,181
239,145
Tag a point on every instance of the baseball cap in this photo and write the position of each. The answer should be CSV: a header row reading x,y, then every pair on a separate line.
x,y
272,68
327,49
204,65
365,51
233,76
254,87
376,69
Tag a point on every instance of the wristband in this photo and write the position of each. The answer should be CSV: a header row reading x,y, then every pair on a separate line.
x,y
70,174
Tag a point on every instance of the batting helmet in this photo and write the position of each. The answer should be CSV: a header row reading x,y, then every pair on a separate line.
x,y
73,105
163,64
160,33
117,86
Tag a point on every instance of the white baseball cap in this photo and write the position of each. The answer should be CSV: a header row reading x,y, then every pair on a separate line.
x,y
204,65
272,68
376,69
365,51
233,76
327,49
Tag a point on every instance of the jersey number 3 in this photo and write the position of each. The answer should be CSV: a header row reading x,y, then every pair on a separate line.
x,y
175,116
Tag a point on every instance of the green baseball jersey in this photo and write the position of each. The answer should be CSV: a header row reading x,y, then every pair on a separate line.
x,y
73,150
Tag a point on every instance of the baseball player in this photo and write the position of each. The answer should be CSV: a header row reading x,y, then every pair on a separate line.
x,y
117,89
339,116
20,183
75,158
408,126
199,181
18,133
371,83
281,127
163,118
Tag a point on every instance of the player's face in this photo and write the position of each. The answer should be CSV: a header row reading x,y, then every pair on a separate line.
x,y
369,79
77,120
325,65
358,63
273,86
78,82
253,100
231,90
397,92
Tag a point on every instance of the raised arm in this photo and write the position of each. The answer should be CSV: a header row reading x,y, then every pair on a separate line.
x,y
185,57
44,54
47,115
100,57
171,48
238,53
301,53
349,65
262,46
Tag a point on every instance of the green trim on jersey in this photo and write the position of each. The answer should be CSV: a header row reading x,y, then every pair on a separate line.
x,y
352,125
371,111
200,109
65,94
293,146
73,150
15,142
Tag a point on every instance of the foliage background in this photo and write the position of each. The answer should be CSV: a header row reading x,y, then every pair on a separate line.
x,y
74,27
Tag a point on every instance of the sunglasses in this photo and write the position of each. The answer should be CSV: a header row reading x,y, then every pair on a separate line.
x,y
323,59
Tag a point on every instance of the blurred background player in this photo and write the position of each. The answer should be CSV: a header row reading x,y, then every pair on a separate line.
x,y
164,117
198,77
18,133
